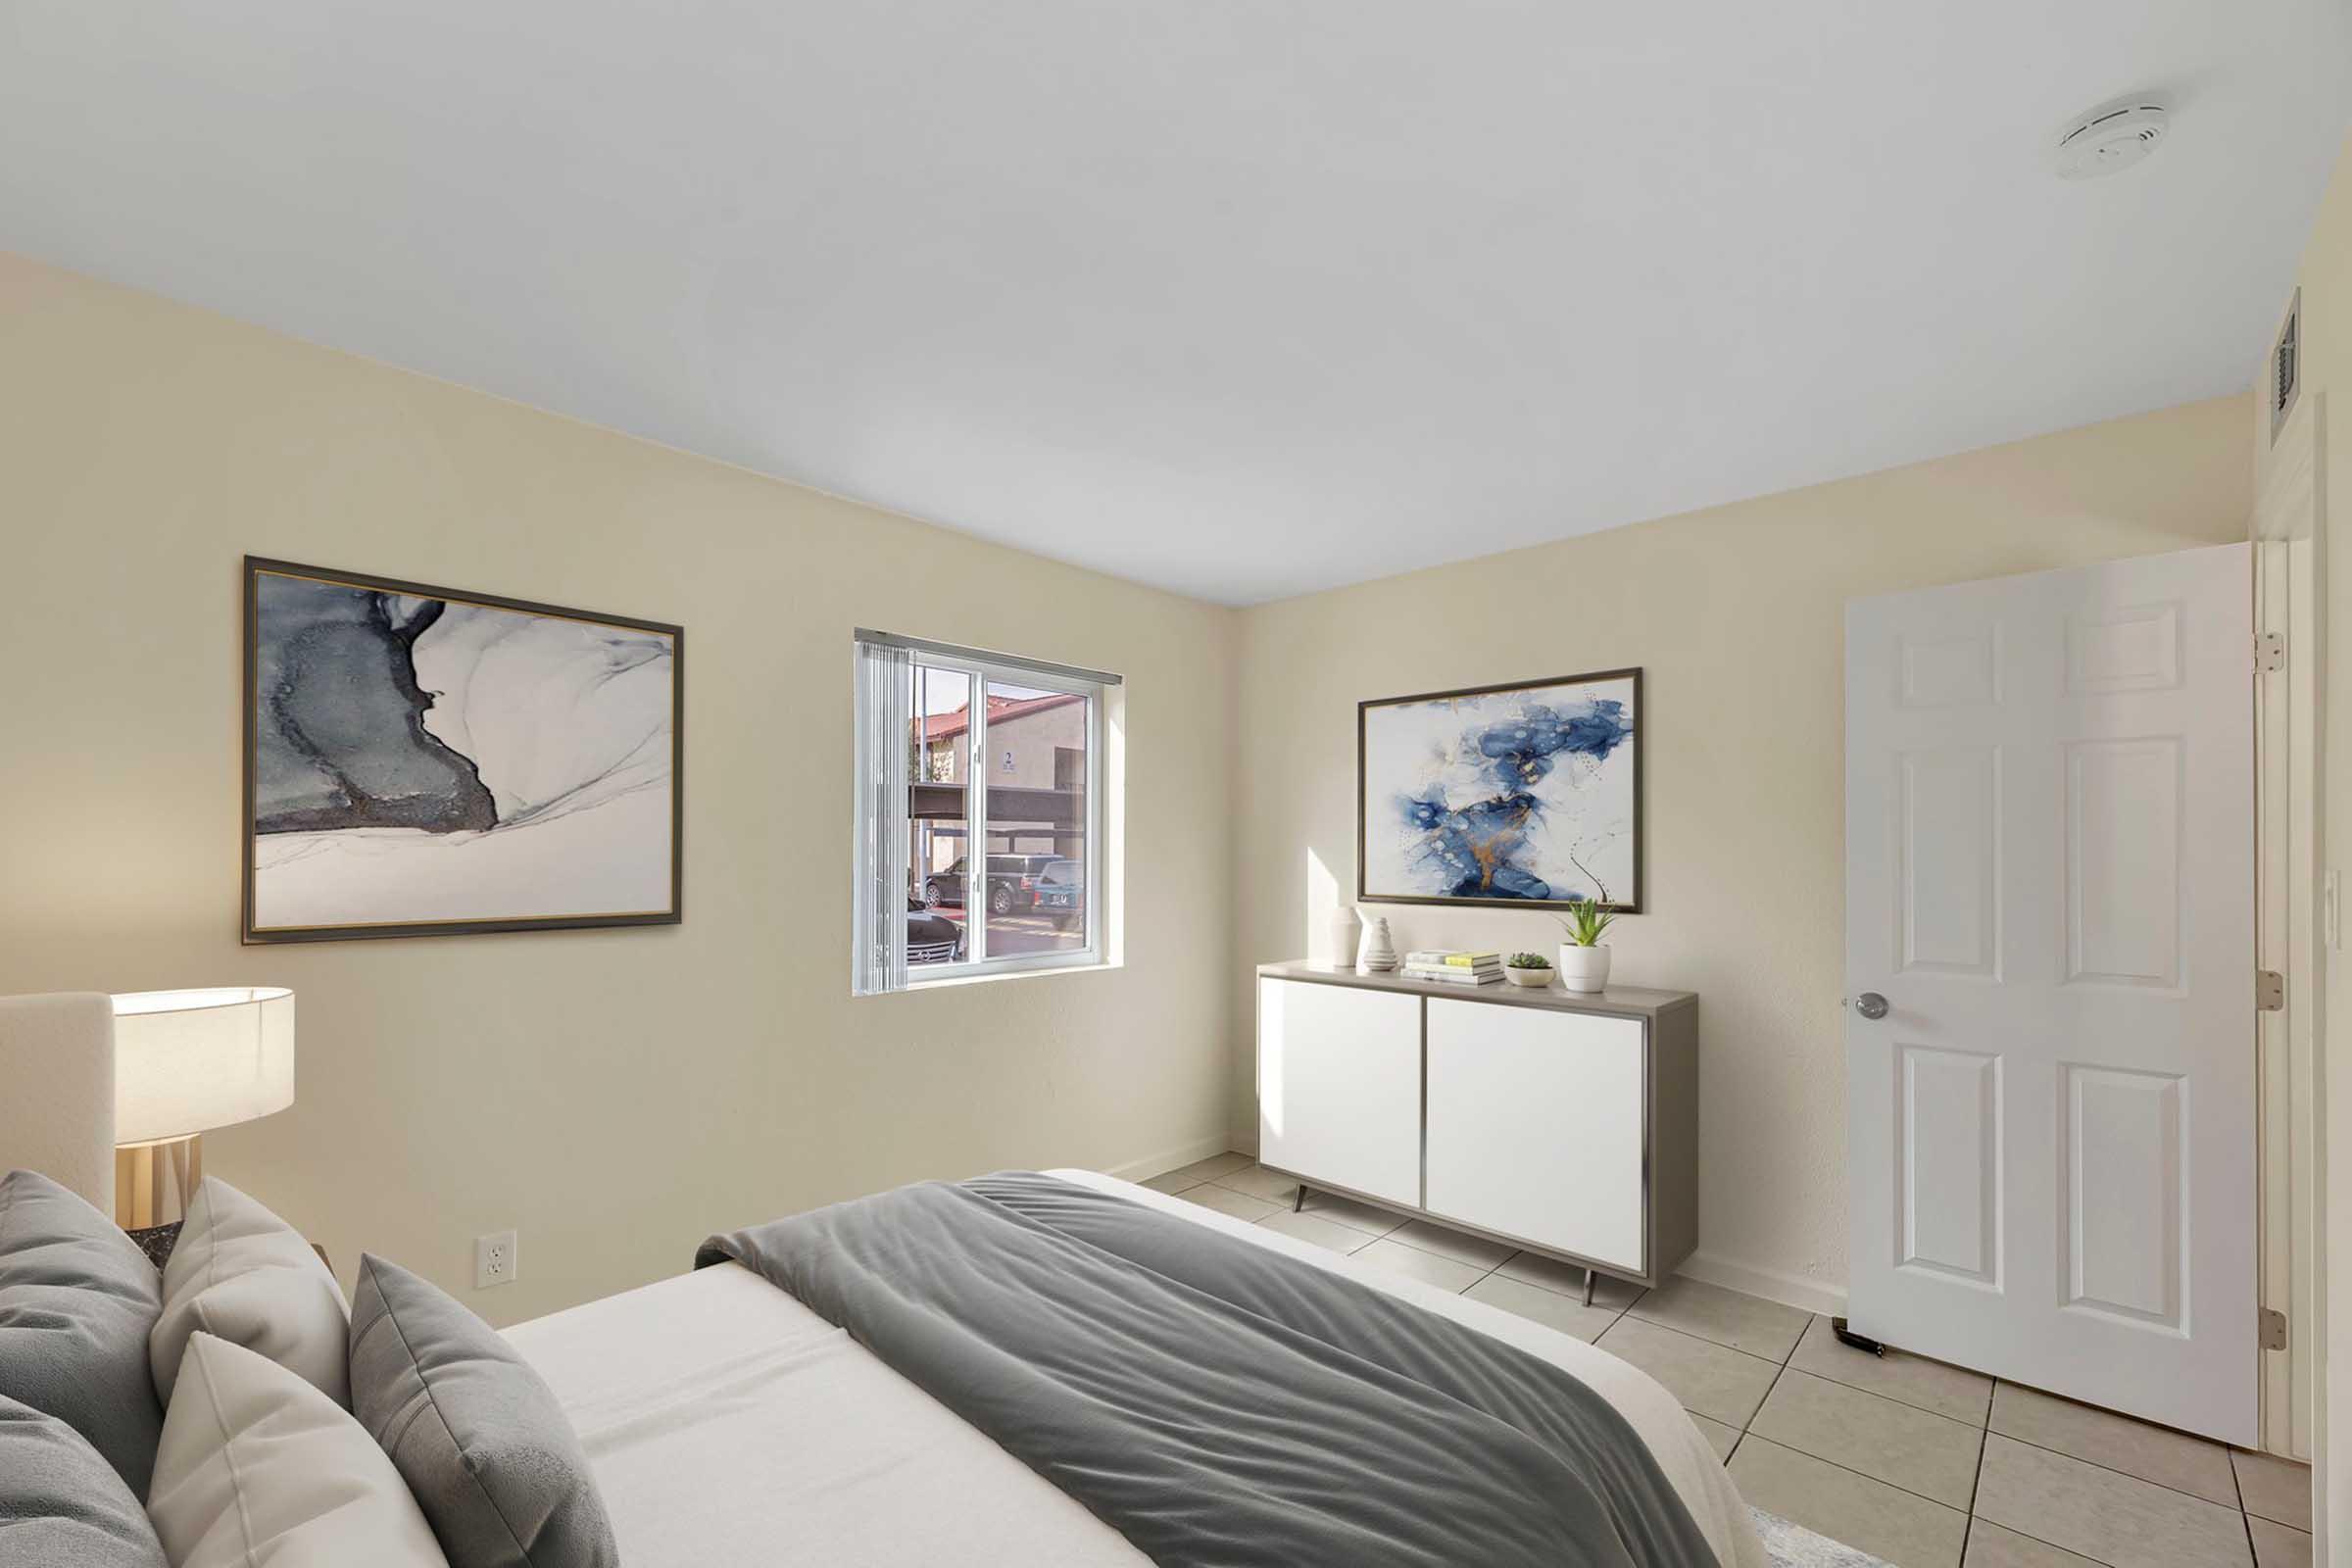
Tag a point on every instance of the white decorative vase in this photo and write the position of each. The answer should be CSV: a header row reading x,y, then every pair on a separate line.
x,y
1584,970
1378,952
1346,931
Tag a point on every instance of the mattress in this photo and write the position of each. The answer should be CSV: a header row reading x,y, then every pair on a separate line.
x,y
729,1424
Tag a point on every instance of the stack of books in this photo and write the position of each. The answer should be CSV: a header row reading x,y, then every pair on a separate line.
x,y
1455,968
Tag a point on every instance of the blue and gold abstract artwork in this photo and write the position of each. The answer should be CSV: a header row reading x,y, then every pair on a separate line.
x,y
1508,794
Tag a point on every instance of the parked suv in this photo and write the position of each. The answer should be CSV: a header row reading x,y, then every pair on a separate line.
x,y
1012,882
1061,891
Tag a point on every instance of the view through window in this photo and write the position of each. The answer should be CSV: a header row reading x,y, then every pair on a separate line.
x,y
1001,816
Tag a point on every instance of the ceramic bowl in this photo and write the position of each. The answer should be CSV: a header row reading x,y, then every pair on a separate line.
x,y
1538,978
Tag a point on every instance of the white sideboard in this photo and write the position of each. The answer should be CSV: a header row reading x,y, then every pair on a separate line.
x,y
1562,1123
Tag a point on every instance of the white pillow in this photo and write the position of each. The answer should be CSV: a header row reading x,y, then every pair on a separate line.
x,y
241,1274
260,1470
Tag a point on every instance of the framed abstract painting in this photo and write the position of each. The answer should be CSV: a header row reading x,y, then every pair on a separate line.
x,y
425,761
1509,796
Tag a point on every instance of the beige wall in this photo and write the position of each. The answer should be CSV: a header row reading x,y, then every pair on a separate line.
x,y
1736,615
613,1094
2326,280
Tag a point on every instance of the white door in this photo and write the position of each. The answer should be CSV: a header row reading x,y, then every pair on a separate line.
x,y
1535,1124
1339,1086
2049,849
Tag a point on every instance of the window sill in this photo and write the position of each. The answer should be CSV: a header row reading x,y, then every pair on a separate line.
x,y
1031,972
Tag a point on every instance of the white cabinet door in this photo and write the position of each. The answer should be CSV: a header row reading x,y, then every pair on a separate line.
x,y
2049,864
1339,1086
1535,1125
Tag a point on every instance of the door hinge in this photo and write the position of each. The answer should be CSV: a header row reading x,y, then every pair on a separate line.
x,y
2269,653
2274,1329
2270,990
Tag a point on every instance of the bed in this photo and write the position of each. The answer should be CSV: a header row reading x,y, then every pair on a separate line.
x,y
729,1423
725,1421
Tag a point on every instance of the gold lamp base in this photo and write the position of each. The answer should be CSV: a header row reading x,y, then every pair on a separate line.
x,y
153,1181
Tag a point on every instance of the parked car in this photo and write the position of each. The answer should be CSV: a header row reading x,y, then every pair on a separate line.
x,y
931,938
1061,891
1012,882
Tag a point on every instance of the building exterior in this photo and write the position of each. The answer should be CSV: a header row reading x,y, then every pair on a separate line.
x,y
1035,772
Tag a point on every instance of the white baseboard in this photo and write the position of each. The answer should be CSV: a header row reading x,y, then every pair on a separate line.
x,y
1772,1284
1243,1143
1143,1170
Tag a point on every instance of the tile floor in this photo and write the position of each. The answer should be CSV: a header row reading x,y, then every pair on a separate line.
x,y
1920,1463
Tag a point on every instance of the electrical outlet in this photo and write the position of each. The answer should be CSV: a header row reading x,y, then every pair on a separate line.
x,y
496,1261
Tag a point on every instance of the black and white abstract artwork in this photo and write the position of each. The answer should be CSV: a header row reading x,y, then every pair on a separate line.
x,y
423,761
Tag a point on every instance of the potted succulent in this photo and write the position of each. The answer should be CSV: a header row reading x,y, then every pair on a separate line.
x,y
1584,957
1527,969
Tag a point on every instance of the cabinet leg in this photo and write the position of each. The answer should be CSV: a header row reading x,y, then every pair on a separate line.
x,y
1298,1199
1589,1278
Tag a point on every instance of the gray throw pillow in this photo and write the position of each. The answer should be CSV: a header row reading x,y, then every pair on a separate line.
x,y
77,1300
62,1505
475,1431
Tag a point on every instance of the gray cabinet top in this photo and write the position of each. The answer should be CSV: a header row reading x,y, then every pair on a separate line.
x,y
1629,1002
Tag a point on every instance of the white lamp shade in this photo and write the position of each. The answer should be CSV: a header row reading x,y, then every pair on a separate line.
x,y
187,1062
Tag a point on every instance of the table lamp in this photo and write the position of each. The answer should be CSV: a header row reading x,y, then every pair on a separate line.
x,y
185,1062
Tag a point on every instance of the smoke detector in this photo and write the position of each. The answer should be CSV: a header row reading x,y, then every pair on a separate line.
x,y
2110,137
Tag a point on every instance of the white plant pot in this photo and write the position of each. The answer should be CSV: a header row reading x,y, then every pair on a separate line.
x,y
1584,970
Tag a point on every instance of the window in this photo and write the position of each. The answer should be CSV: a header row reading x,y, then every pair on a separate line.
x,y
979,827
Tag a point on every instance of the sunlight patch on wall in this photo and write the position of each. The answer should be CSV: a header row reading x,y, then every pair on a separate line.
x,y
1322,901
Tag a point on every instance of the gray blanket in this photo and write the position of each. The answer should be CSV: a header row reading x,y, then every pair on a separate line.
x,y
1217,1402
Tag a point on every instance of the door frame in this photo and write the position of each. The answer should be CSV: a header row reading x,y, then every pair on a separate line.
x,y
2292,917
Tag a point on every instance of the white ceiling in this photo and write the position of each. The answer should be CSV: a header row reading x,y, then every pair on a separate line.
x,y
1237,297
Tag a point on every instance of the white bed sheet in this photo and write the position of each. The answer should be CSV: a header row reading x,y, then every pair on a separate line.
x,y
729,1425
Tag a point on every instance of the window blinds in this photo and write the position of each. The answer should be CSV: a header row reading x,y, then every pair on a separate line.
x,y
885,699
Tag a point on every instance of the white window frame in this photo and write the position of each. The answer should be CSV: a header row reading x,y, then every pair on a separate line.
x,y
981,668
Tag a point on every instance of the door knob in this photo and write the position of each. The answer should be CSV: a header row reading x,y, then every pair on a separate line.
x,y
1870,1004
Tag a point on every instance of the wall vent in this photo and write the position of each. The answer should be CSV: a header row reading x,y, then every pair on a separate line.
x,y
2286,365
